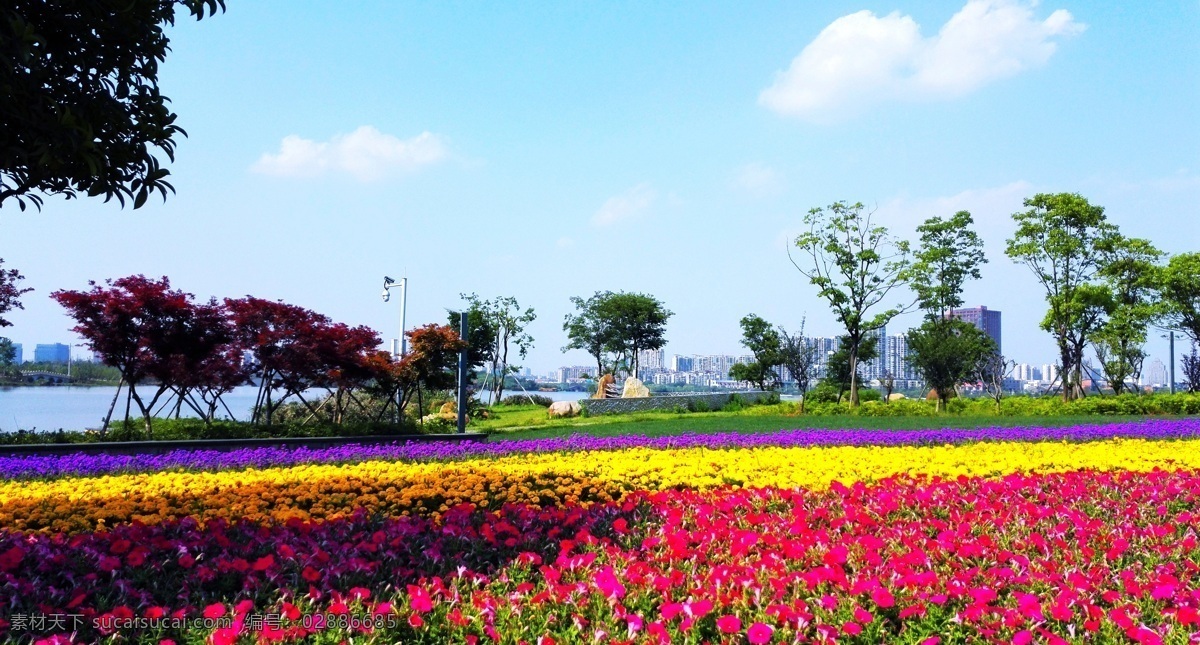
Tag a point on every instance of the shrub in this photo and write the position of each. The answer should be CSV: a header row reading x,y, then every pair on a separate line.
x,y
528,399
869,394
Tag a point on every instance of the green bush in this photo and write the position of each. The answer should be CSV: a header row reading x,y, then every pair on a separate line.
x,y
822,393
528,399
869,394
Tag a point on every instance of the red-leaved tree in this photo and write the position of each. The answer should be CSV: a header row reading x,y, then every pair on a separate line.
x,y
154,335
10,293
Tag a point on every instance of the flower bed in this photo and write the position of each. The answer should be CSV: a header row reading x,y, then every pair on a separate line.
x,y
773,538
30,467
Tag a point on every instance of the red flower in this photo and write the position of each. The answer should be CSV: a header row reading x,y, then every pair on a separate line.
x,y
215,610
264,563
729,624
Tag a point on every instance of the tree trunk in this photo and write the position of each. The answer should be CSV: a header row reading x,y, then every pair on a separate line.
x,y
108,417
854,378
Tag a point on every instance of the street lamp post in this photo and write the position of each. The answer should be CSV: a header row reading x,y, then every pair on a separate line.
x,y
402,285
388,285
71,357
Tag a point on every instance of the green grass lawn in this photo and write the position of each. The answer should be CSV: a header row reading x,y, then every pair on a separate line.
x,y
531,422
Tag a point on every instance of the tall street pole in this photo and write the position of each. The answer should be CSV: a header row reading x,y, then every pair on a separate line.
x,y
462,374
1171,347
403,303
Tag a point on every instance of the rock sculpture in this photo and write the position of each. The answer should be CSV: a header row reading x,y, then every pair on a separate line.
x,y
635,389
602,385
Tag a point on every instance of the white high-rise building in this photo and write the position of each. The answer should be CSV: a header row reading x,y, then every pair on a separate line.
x,y
655,359
1156,375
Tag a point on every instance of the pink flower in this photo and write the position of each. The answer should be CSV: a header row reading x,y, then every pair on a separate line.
x,y
419,599
852,629
215,610
729,624
759,633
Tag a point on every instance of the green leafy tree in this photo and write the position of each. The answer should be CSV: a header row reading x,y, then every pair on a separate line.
x,y
949,254
946,353
589,329
8,354
943,349
1130,271
617,326
507,322
81,108
854,264
799,356
1057,238
838,374
765,344
481,336
1180,282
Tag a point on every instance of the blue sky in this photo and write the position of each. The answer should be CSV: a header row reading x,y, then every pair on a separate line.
x,y
549,151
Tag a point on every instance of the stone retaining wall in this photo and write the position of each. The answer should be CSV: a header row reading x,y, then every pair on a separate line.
x,y
714,401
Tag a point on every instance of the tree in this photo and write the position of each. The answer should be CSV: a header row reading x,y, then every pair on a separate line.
x,y
764,342
638,323
854,264
888,383
949,254
1057,239
480,336
147,330
1181,293
799,356
282,339
618,324
838,374
943,349
10,293
992,371
1191,369
81,107
1129,271
946,352
505,320
589,328
8,353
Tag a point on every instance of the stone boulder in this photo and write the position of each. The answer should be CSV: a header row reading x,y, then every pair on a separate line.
x,y
602,385
448,411
564,409
896,396
634,389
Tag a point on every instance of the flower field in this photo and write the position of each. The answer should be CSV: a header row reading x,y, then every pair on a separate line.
x,y
1015,535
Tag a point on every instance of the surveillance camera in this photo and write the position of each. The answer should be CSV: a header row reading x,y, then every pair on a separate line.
x,y
386,296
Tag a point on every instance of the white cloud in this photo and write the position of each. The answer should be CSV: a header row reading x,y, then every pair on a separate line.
x,y
366,154
863,59
759,180
628,204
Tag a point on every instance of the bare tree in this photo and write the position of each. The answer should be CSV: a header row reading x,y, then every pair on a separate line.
x,y
992,371
799,357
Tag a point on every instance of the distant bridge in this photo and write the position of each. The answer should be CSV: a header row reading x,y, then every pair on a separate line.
x,y
39,375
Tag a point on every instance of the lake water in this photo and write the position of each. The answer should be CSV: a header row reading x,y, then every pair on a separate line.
x,y
49,408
